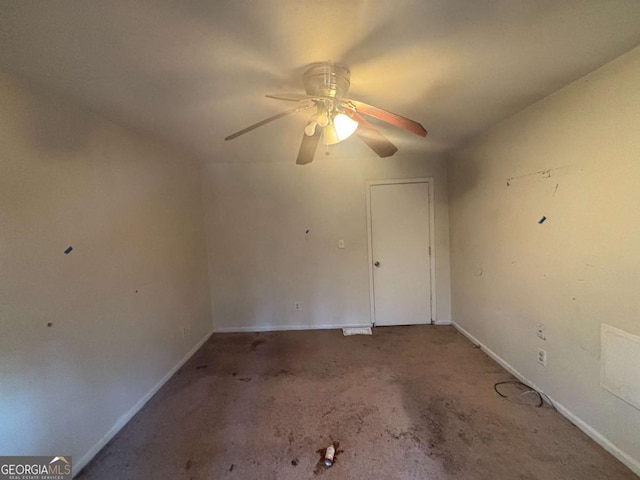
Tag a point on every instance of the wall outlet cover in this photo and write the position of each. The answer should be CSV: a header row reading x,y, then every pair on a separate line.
x,y
542,331
542,357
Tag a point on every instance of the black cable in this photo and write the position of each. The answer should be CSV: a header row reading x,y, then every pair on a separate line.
x,y
546,397
527,391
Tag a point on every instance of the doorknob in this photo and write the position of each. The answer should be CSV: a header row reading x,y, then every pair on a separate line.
x,y
377,264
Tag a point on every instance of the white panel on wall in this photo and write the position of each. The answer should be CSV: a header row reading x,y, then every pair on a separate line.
x,y
620,373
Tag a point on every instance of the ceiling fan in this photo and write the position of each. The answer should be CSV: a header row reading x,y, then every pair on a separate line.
x,y
336,117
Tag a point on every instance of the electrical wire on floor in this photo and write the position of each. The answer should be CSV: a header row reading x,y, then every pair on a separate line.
x,y
523,396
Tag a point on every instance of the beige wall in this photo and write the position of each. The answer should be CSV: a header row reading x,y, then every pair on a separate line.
x,y
117,303
575,271
262,261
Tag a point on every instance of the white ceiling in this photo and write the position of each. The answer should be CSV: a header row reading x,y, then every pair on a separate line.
x,y
193,71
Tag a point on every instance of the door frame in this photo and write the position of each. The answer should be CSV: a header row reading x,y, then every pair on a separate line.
x,y
432,245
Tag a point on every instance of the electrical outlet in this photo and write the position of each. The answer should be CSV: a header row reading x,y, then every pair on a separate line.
x,y
542,331
542,357
296,306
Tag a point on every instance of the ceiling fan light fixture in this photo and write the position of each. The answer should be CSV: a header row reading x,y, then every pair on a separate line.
x,y
323,117
345,125
341,128
330,135
310,129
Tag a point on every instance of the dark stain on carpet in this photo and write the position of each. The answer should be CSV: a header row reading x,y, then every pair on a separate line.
x,y
256,343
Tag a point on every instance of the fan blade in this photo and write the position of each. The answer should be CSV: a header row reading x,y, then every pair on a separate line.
x,y
373,138
308,147
389,117
291,97
267,120
299,97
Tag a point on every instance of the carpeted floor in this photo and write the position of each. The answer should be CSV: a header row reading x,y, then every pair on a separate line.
x,y
405,403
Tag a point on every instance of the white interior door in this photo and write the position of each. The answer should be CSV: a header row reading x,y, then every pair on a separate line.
x,y
400,250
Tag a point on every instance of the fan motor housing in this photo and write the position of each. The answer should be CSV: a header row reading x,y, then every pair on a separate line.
x,y
327,79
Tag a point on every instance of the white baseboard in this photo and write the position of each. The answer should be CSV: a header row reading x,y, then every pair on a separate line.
x,y
122,421
442,322
276,328
600,439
